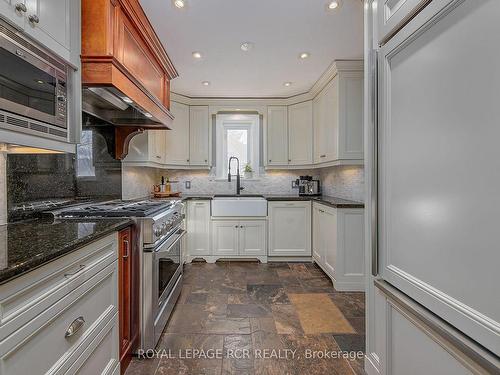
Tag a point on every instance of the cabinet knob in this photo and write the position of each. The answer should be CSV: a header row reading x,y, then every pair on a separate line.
x,y
206,160
20,7
289,160
187,160
33,18
241,226
270,160
322,156
236,226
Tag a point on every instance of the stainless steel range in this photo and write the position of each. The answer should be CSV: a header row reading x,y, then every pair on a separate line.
x,y
159,225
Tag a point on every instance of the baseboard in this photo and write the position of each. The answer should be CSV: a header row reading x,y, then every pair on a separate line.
x,y
348,286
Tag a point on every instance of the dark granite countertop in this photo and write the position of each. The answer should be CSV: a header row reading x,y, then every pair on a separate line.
x,y
324,199
26,245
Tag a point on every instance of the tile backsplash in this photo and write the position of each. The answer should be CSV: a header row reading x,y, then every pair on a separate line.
x,y
343,182
137,182
346,182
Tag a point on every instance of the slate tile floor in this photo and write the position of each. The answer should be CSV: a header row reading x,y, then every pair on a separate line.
x,y
244,307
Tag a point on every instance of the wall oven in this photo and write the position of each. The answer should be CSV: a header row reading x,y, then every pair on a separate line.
x,y
33,85
163,270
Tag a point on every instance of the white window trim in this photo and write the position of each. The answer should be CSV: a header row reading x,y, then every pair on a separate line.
x,y
250,122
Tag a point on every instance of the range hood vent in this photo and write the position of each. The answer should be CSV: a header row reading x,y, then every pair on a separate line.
x,y
126,71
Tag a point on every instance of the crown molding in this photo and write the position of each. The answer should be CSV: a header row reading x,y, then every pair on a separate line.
x,y
248,103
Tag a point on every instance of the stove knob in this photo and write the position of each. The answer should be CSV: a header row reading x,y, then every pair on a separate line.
x,y
157,232
164,228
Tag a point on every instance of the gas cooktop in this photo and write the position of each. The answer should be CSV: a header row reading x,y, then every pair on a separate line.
x,y
141,208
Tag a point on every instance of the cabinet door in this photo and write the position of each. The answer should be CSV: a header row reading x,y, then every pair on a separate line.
x,y
317,251
252,237
300,133
290,229
156,139
277,135
225,237
328,235
177,139
198,227
199,136
9,12
48,21
331,121
318,127
125,295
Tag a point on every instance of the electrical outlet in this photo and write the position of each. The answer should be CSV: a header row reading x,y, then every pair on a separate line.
x,y
295,184
187,184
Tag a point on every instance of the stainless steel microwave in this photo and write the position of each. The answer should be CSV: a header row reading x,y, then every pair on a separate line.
x,y
33,83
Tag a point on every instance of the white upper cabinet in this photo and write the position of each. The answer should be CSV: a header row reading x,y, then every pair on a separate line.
x,y
199,137
277,135
48,22
338,120
392,14
14,11
177,139
300,133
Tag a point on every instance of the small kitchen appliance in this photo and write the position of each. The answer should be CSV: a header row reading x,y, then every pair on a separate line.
x,y
308,186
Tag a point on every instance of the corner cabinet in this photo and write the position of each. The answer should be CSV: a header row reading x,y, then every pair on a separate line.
x,y
338,120
290,229
338,245
300,133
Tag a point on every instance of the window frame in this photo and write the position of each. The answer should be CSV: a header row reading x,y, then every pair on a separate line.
x,y
225,122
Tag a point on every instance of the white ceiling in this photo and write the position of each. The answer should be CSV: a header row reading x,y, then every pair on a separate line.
x,y
280,30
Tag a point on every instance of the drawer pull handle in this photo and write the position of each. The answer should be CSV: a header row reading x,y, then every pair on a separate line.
x,y
125,249
82,266
75,326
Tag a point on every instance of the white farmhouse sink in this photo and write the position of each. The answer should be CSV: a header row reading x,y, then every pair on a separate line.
x,y
239,206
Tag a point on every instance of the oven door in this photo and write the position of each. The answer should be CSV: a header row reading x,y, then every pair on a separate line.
x,y
167,271
31,87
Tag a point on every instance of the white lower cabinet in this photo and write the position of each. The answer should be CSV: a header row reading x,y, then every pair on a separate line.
x,y
338,245
241,238
290,229
76,299
198,228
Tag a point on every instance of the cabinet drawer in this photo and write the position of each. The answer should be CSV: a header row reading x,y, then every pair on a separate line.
x,y
46,343
101,356
26,297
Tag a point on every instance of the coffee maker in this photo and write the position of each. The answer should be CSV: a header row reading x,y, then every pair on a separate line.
x,y
308,186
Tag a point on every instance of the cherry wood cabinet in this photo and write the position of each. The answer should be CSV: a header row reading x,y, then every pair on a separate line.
x,y
127,296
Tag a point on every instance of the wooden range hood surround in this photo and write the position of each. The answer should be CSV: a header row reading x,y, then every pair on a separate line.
x,y
121,51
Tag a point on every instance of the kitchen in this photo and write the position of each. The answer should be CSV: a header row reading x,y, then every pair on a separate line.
x,y
177,198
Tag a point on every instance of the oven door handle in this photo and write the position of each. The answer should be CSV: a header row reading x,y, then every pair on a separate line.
x,y
171,242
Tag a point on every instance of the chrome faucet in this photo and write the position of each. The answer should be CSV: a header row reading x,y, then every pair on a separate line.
x,y
238,180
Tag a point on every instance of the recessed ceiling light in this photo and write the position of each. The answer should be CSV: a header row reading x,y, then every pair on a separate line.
x,y
197,55
127,100
304,55
334,4
205,83
148,115
179,3
287,84
246,46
